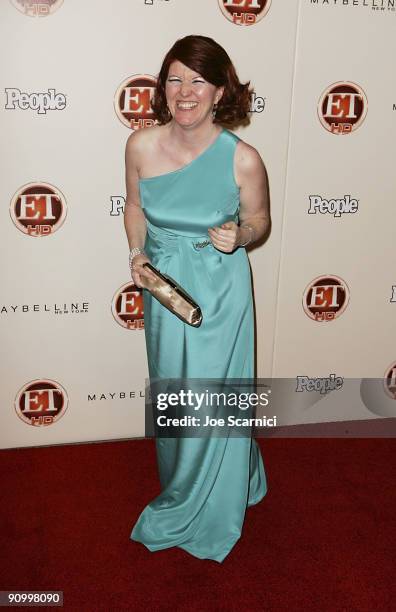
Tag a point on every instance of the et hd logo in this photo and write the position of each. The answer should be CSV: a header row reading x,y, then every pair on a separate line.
x,y
37,8
127,306
38,209
342,108
41,402
325,298
132,101
244,12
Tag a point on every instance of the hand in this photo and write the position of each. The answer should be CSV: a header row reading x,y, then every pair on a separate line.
x,y
226,237
139,273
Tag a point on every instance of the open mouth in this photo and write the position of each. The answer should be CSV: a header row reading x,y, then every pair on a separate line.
x,y
186,105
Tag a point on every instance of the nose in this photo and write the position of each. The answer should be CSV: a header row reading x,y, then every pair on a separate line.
x,y
185,88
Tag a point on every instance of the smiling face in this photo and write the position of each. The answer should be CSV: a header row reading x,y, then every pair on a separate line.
x,y
189,96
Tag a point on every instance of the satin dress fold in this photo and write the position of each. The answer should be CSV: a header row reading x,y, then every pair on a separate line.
x,y
206,482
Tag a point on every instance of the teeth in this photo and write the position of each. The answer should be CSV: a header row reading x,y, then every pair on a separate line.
x,y
187,104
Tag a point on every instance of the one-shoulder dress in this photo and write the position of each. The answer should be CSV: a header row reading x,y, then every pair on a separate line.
x,y
206,482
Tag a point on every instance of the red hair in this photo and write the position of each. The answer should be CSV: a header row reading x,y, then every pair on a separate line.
x,y
205,56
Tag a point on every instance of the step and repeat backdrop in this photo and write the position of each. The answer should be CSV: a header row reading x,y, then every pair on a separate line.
x,y
76,79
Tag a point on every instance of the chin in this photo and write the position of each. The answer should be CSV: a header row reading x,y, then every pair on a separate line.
x,y
186,123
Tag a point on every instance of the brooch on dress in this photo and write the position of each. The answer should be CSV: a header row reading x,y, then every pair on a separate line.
x,y
201,245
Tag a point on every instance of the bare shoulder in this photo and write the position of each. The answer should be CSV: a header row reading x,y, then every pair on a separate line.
x,y
138,140
247,159
141,143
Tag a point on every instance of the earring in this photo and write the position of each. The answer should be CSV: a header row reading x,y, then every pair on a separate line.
x,y
214,109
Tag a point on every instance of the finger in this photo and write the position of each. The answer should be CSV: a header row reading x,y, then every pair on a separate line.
x,y
221,239
224,240
147,272
144,281
223,233
138,272
140,269
149,275
217,233
137,282
221,246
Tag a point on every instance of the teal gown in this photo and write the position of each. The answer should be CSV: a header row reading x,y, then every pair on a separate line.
x,y
206,482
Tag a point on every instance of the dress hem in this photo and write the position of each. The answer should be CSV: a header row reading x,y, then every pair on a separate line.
x,y
185,547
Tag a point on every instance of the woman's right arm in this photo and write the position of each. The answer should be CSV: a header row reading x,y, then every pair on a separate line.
x,y
134,219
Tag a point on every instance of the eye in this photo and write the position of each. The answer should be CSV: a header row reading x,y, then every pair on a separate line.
x,y
174,79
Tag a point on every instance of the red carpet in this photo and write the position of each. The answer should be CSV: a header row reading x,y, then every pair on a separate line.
x,y
323,538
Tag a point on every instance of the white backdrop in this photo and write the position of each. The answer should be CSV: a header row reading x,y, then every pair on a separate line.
x,y
73,369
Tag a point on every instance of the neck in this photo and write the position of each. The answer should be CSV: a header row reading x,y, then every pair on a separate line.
x,y
193,138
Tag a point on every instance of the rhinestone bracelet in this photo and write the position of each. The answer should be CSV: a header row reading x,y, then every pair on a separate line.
x,y
249,227
133,252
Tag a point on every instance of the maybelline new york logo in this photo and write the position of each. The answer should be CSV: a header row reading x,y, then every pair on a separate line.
x,y
63,308
336,207
36,101
108,396
375,5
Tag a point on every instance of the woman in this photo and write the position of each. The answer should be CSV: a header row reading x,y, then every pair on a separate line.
x,y
196,195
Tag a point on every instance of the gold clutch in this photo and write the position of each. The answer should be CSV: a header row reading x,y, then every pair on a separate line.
x,y
166,290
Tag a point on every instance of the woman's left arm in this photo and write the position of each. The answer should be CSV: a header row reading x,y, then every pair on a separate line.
x,y
254,213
